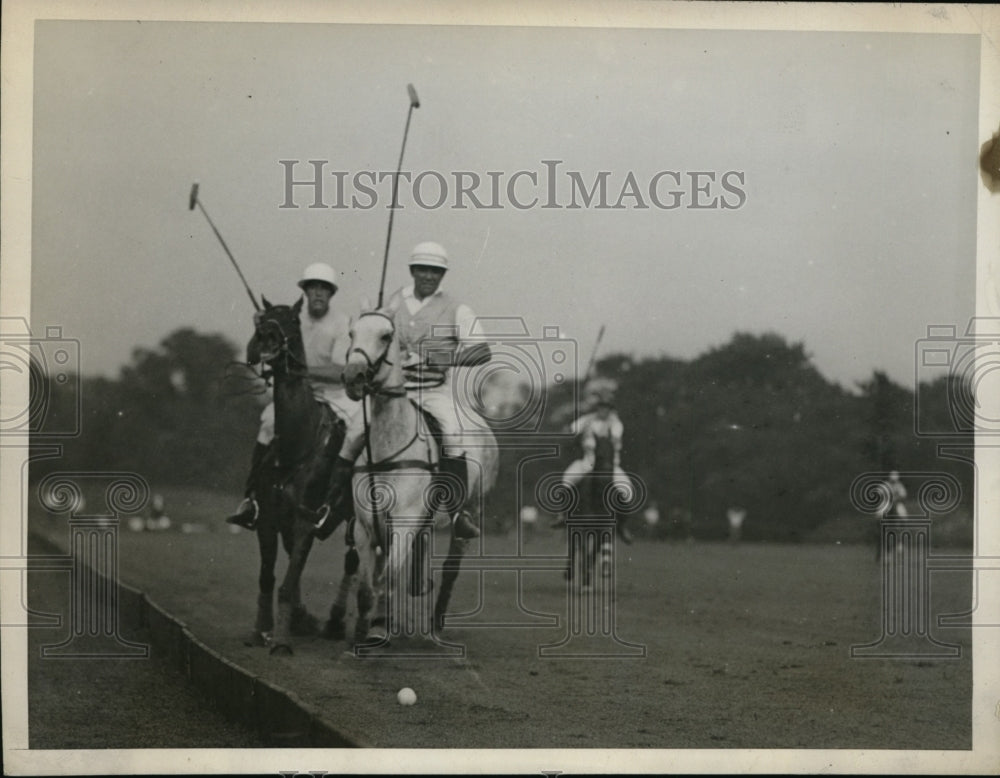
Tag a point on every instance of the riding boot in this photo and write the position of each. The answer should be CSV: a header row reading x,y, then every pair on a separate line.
x,y
315,492
246,514
456,469
339,504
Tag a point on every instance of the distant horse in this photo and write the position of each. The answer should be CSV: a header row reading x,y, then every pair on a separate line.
x,y
303,428
598,499
393,503
896,508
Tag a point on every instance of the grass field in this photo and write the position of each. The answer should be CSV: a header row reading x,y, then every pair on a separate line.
x,y
744,646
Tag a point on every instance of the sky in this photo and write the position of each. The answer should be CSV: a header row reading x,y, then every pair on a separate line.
x,y
851,224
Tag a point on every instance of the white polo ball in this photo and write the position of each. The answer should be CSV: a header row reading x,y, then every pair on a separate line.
x,y
407,696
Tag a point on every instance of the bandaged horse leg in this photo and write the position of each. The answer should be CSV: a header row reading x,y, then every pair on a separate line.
x,y
456,549
626,493
570,480
420,580
264,623
334,629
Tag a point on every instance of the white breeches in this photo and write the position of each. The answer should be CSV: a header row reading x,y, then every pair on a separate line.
x,y
439,403
581,467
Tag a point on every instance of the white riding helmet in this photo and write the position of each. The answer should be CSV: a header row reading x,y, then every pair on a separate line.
x,y
429,254
600,391
319,271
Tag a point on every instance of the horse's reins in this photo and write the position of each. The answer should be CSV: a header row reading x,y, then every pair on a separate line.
x,y
369,389
293,366
291,360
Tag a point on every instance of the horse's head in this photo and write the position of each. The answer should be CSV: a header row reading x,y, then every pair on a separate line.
x,y
279,336
373,354
604,455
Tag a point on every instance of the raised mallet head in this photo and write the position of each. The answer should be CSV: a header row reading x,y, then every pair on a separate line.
x,y
194,197
414,100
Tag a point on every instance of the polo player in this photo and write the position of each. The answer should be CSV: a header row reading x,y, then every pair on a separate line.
x,y
433,330
600,422
325,338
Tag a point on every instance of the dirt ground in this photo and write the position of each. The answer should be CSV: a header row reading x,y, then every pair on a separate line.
x,y
112,703
712,646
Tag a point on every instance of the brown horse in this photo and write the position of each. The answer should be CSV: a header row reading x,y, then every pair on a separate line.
x,y
304,430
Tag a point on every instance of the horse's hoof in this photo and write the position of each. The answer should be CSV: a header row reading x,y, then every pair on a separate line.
x,y
281,649
373,636
304,624
255,639
334,630
463,527
420,589
351,561
367,641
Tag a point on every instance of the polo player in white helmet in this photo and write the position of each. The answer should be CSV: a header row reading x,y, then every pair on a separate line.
x,y
325,337
601,421
425,315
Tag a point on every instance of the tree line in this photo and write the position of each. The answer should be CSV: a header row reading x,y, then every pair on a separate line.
x,y
751,423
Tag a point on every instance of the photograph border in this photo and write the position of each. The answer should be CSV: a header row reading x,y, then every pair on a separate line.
x,y
16,52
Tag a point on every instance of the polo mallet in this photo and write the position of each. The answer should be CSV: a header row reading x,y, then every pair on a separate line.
x,y
414,103
593,354
192,202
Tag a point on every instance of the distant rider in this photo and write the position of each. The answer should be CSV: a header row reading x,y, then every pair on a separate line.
x,y
600,422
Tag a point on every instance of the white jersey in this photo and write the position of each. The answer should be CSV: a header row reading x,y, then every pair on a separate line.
x,y
591,425
326,342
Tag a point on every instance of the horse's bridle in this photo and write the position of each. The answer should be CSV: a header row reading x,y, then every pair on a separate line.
x,y
374,365
293,365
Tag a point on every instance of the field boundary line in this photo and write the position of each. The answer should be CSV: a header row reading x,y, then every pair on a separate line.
x,y
277,714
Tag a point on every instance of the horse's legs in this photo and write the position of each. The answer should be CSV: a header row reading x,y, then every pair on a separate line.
x,y
420,581
334,628
452,563
289,605
267,542
589,557
371,585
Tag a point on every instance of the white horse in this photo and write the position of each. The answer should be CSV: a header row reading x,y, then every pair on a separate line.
x,y
393,500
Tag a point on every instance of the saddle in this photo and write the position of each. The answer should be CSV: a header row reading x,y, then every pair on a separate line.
x,y
432,427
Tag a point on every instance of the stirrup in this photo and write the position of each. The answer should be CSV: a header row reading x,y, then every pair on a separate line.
x,y
462,526
324,524
246,515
